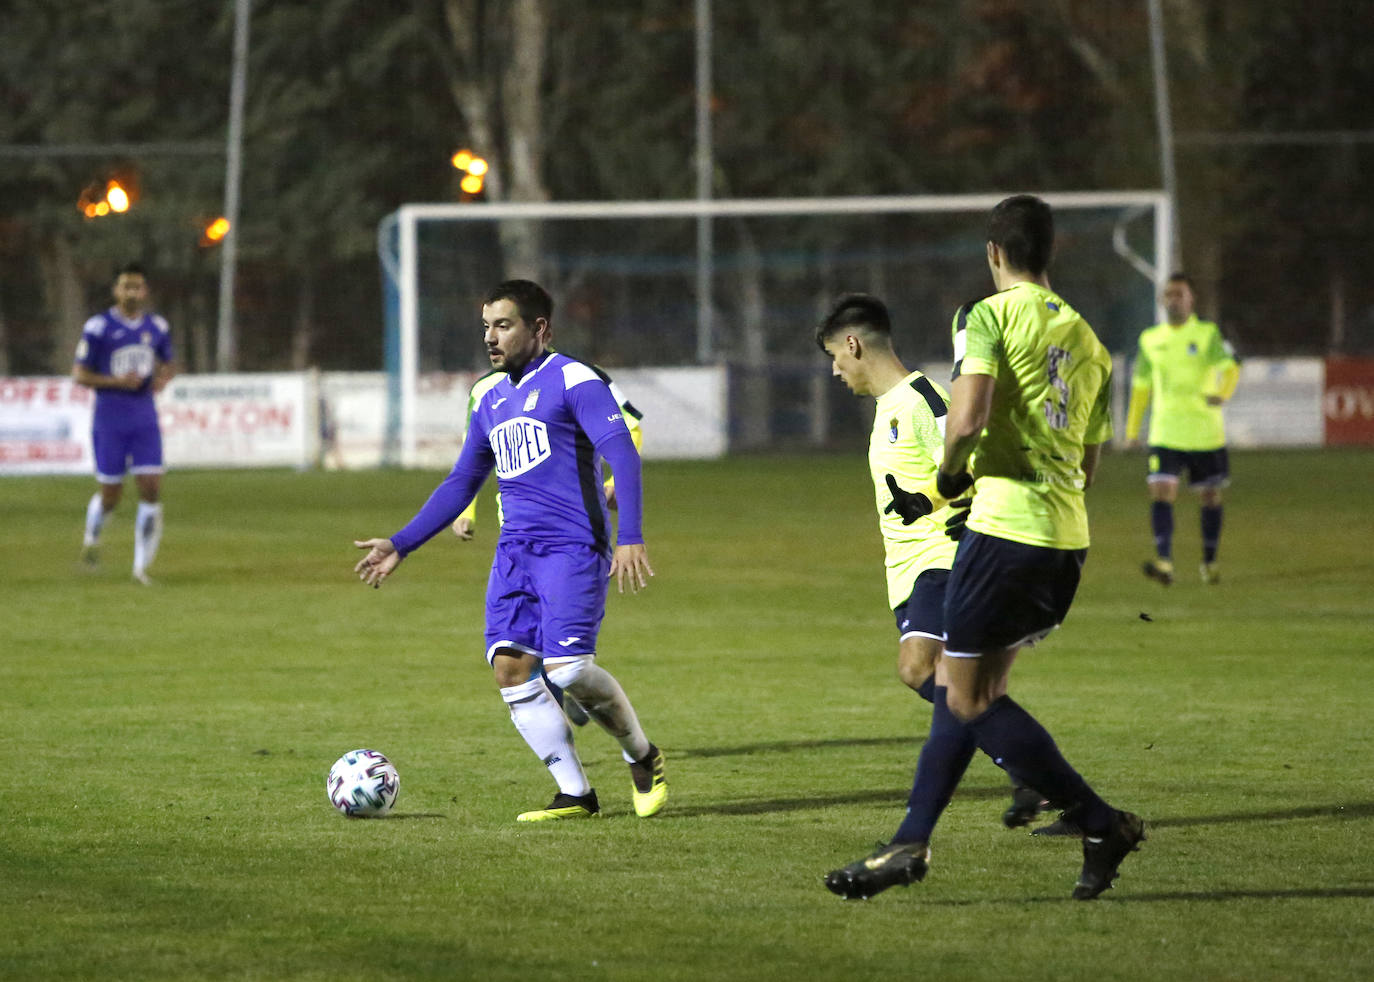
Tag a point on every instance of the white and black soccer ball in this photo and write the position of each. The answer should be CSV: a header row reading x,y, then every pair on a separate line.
x,y
363,784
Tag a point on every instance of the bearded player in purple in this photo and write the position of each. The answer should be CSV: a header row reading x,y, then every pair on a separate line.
x,y
125,355
546,429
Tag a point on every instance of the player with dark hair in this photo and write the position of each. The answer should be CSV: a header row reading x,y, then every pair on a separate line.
x,y
465,525
1184,372
125,355
545,430
905,449
1029,410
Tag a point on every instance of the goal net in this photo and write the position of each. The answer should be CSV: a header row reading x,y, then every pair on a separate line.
x,y
706,310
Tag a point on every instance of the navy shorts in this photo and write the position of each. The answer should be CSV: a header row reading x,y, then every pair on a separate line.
x,y
923,613
116,446
545,599
1205,468
1003,593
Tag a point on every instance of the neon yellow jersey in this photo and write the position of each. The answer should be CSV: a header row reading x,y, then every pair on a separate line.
x,y
484,384
907,442
1052,398
1178,367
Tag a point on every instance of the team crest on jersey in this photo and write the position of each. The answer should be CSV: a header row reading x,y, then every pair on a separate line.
x,y
1192,347
892,430
531,399
520,444
145,338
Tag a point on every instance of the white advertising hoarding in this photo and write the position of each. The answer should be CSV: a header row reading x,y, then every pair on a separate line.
x,y
242,420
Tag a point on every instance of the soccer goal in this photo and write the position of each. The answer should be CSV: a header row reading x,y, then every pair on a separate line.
x,y
731,289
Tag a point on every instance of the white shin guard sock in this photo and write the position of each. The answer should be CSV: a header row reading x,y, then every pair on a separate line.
x,y
95,519
605,701
538,718
147,535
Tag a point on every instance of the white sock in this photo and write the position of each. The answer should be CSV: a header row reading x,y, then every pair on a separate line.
x,y
147,535
538,718
605,701
95,519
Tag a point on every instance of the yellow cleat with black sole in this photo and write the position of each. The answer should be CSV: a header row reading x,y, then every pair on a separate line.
x,y
650,786
564,807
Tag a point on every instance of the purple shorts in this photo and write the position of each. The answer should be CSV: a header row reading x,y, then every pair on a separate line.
x,y
116,447
545,599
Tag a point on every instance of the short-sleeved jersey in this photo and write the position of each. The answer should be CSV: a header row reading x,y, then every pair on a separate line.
x,y
1052,397
484,384
1181,366
540,435
111,345
908,442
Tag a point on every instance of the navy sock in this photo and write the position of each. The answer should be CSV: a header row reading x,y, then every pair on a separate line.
x,y
1211,532
926,690
1162,525
1017,742
944,758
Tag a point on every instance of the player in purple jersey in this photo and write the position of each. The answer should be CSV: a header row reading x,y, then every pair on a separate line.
x,y
125,355
546,429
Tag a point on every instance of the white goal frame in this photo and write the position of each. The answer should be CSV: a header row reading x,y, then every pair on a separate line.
x,y
403,268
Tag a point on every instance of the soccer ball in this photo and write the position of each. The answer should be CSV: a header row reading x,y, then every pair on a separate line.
x,y
363,784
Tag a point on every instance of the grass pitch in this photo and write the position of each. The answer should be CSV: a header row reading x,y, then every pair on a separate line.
x,y
166,817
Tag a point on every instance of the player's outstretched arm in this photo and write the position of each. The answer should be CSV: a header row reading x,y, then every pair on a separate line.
x,y
630,564
381,559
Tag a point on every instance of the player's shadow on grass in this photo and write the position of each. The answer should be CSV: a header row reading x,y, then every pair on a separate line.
x,y
397,816
762,806
788,746
1358,809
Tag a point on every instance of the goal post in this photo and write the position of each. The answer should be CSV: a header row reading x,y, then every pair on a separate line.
x,y
774,257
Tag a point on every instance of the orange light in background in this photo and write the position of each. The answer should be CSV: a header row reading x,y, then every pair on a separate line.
x,y
477,167
116,197
217,229
461,159
471,184
88,209
102,208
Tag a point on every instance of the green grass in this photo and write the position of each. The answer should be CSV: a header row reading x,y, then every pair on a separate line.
x,y
165,815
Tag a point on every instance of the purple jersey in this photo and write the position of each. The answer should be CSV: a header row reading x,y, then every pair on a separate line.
x,y
110,345
545,436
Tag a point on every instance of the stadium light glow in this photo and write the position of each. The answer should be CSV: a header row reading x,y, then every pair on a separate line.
x,y
217,230
116,197
102,208
471,184
477,167
461,159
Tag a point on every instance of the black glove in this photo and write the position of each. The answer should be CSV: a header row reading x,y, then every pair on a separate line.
x,y
910,506
958,518
951,486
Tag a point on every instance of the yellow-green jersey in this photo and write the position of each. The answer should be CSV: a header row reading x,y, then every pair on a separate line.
x,y
907,442
1052,397
627,409
1177,367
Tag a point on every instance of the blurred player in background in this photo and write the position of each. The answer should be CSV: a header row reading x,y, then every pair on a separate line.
x,y
125,355
1184,372
545,428
465,525
904,451
1030,409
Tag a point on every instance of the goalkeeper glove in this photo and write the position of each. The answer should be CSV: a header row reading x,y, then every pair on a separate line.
x,y
909,505
958,518
950,486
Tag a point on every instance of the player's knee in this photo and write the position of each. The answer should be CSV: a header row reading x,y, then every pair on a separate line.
x,y
916,660
966,706
567,673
